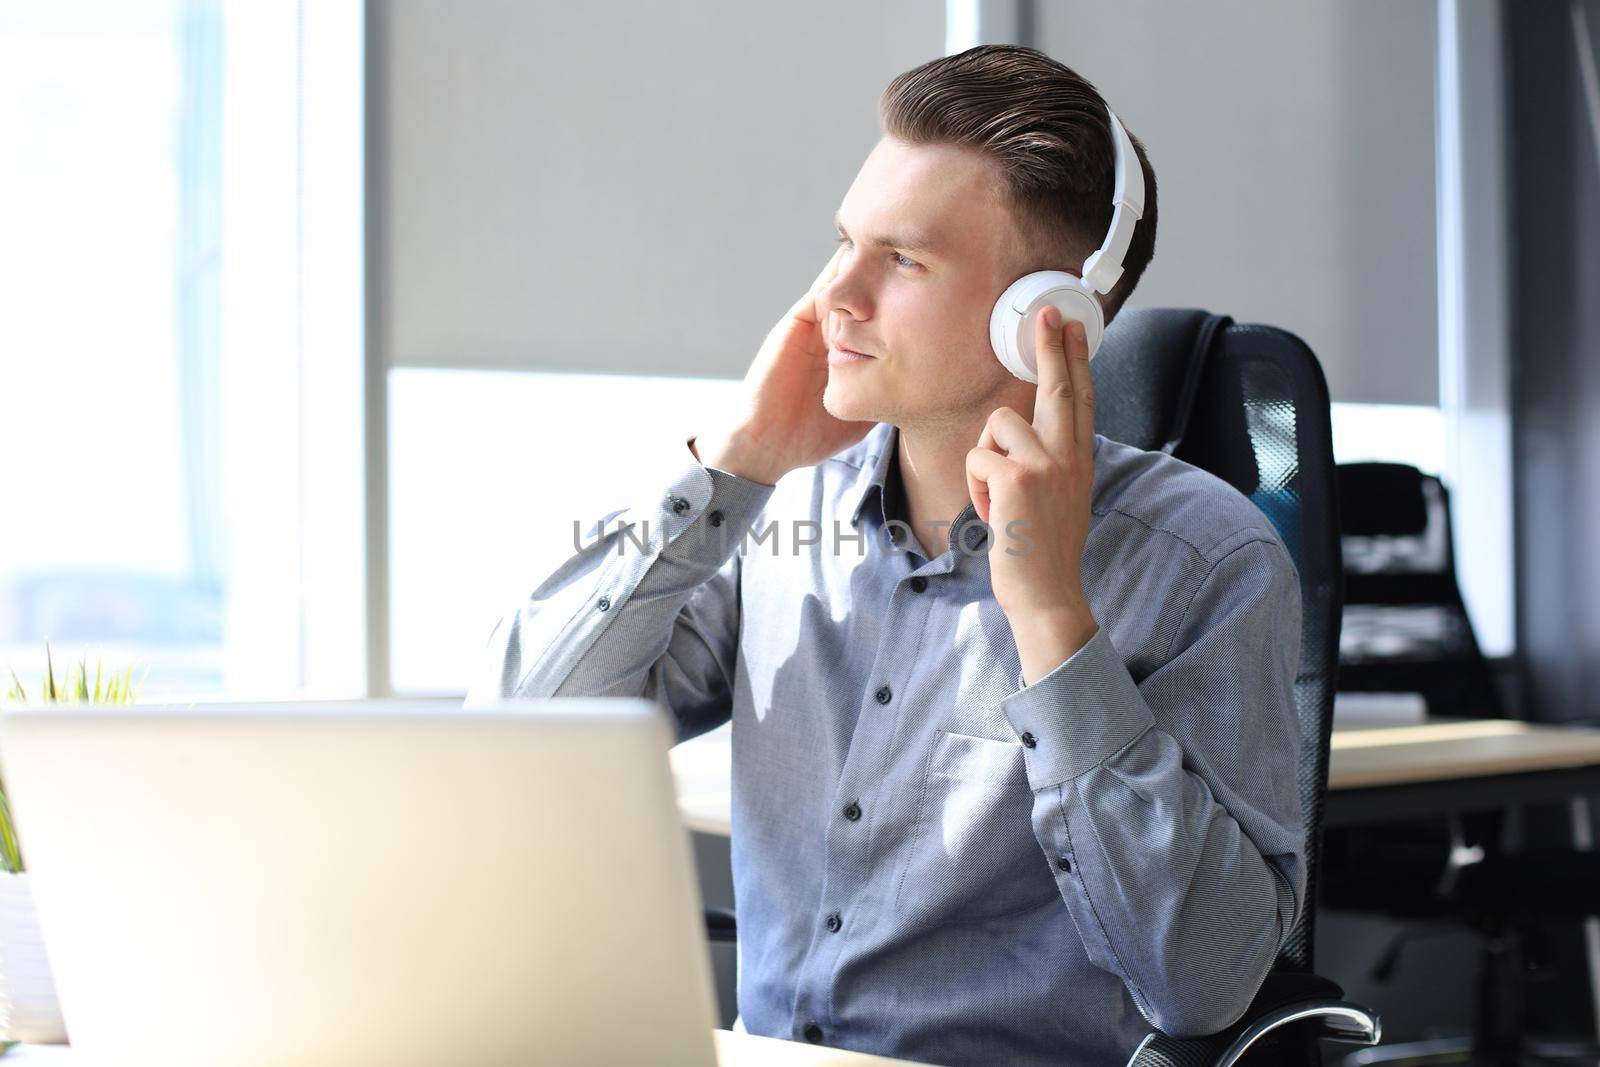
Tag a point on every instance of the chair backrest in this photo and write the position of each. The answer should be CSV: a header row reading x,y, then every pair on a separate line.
x,y
1250,405
1406,628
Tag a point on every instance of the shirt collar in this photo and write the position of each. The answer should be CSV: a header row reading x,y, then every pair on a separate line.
x,y
884,444
882,463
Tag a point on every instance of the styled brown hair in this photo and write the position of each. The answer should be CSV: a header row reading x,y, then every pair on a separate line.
x,y
1046,129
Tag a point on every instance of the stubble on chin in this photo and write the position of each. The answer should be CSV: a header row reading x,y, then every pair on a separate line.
x,y
962,400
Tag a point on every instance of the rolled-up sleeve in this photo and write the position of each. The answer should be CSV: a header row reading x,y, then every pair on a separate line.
x,y
1168,807
646,605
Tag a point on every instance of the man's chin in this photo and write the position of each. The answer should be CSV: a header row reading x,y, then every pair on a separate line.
x,y
847,404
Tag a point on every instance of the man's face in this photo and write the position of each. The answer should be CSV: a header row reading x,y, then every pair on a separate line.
x,y
921,304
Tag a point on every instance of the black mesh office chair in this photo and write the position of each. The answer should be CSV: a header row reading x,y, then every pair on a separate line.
x,y
1249,404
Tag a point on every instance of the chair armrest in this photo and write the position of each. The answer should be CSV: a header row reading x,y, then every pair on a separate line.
x,y
720,925
1285,997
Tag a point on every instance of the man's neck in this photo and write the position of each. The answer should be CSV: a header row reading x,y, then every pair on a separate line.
x,y
933,475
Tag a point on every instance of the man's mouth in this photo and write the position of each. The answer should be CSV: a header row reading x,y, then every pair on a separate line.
x,y
839,356
853,351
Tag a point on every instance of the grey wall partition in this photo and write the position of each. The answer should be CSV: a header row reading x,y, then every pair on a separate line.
x,y
1293,146
641,187
1555,144
628,187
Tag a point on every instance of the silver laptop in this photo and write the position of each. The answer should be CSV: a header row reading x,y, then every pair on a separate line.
x,y
364,883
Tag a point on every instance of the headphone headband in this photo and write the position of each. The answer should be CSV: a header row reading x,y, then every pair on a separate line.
x,y
1011,323
1102,269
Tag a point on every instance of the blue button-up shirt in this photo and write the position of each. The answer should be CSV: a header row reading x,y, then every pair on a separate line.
x,y
932,860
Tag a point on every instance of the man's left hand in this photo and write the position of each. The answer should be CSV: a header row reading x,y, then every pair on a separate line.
x,y
1032,483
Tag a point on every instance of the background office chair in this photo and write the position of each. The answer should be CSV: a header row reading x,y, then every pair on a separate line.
x,y
1406,629
1249,404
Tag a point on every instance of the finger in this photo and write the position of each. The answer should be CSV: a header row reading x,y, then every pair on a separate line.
x,y
986,440
805,309
1052,403
1010,433
830,270
979,490
983,467
1082,386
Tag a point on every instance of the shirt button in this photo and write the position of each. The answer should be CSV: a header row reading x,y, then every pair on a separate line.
x,y
680,505
813,1032
883,694
715,518
918,584
604,603
1028,740
852,811
1064,863
834,922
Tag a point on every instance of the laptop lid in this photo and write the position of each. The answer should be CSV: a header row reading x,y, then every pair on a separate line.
x,y
360,883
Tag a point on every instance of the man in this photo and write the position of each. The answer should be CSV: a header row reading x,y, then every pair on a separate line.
x,y
1013,728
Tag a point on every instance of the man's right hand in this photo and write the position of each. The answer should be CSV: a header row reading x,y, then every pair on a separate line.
x,y
780,423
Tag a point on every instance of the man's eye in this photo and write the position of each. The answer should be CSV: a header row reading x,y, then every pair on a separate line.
x,y
898,258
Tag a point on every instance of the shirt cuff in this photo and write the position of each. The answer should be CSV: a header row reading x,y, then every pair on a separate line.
x,y
739,500
747,481
1082,712
699,511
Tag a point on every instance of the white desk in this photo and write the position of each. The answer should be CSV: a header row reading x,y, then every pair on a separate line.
x,y
733,1050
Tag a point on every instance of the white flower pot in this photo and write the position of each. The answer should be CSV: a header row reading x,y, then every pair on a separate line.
x,y
29,1010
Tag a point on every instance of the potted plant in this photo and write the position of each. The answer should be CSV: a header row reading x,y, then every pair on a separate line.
x,y
29,1010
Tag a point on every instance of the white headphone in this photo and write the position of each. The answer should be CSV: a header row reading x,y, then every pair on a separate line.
x,y
1011,324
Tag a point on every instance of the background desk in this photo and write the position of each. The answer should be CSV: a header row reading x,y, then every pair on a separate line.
x,y
733,1050
1375,773
1382,773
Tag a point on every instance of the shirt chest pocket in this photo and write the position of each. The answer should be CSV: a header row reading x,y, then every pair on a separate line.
x,y
973,854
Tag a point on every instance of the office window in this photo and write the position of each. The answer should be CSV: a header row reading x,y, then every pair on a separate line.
x,y
162,502
1391,433
489,471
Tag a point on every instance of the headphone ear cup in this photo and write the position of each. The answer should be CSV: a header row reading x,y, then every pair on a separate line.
x,y
1014,319
1076,304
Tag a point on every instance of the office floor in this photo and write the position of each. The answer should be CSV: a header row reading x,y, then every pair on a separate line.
x,y
1433,989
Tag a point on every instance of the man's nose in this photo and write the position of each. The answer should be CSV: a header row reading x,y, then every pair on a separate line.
x,y
843,290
